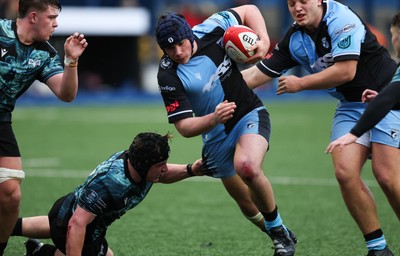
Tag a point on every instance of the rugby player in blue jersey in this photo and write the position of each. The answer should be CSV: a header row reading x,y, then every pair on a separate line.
x,y
388,98
78,221
26,56
342,56
204,94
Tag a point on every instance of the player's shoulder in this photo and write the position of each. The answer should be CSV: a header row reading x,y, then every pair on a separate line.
x,y
335,12
6,28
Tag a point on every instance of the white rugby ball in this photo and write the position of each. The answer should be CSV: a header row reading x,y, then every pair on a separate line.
x,y
237,39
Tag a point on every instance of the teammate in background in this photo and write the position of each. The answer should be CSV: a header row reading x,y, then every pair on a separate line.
x,y
77,222
204,94
344,57
388,98
26,56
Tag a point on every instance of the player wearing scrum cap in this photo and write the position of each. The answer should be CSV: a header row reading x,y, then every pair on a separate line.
x,y
78,221
204,94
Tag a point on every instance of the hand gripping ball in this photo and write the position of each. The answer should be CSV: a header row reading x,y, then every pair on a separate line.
x,y
237,39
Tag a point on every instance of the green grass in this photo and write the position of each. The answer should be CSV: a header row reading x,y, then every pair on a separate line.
x,y
60,145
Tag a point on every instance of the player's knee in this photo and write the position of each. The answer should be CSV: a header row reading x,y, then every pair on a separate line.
x,y
10,196
246,170
384,180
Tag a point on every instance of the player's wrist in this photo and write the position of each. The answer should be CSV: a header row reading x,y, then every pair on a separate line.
x,y
72,63
189,170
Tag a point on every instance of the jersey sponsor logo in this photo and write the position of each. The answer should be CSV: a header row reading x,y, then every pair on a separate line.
x,y
34,63
167,88
3,52
172,107
346,29
222,72
166,63
92,198
323,62
345,42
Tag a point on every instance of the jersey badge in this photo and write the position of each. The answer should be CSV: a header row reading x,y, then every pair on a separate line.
x,y
166,63
345,42
34,63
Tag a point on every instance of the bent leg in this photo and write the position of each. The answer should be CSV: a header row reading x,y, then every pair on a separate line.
x,y
386,168
36,227
239,191
359,201
249,156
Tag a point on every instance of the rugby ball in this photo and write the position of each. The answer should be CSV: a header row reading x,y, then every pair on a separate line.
x,y
237,39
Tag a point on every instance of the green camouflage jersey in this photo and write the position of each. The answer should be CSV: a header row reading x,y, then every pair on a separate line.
x,y
21,65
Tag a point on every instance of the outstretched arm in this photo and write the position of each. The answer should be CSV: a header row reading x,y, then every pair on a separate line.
x,y
177,172
337,74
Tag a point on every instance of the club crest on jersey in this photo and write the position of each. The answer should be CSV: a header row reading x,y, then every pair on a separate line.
x,y
166,63
34,63
345,42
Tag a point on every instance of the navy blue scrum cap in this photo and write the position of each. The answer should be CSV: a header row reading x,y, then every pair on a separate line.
x,y
171,29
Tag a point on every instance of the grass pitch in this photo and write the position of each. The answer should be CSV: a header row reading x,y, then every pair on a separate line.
x,y
61,145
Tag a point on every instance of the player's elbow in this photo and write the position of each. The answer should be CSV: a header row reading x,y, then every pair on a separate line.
x,y
348,75
347,70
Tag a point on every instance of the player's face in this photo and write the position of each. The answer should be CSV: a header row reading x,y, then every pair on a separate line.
x,y
306,13
180,52
156,172
395,31
45,23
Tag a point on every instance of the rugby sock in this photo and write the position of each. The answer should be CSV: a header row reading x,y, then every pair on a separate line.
x,y
17,228
2,247
375,240
272,219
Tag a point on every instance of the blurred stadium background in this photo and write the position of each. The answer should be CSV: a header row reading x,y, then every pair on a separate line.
x,y
62,142
121,60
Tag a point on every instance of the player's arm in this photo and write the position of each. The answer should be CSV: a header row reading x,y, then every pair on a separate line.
x,y
194,126
177,172
77,230
65,85
254,77
252,17
339,73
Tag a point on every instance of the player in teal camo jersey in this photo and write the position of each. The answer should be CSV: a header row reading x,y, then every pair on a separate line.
x,y
79,220
26,56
